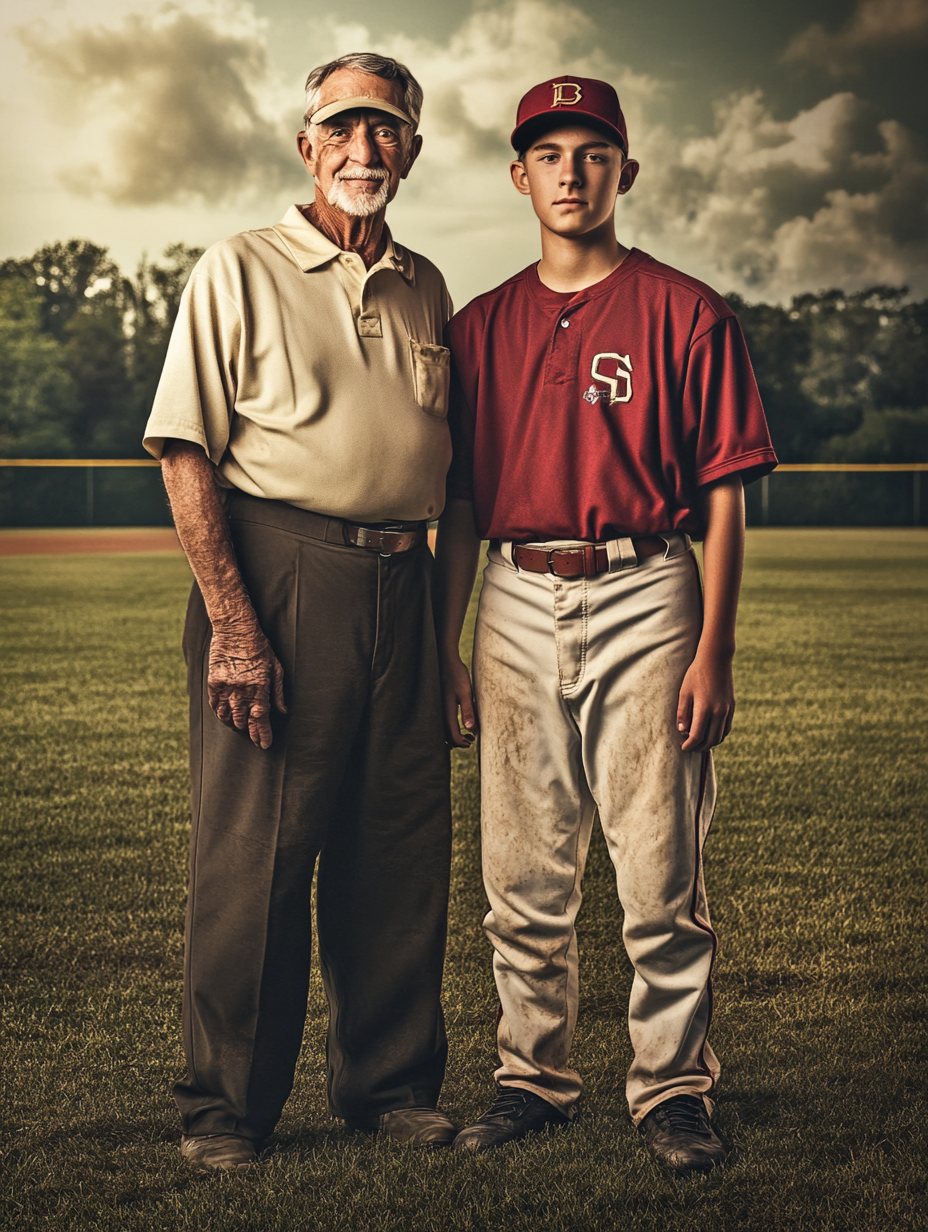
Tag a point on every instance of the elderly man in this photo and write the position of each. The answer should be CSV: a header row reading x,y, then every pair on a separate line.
x,y
300,420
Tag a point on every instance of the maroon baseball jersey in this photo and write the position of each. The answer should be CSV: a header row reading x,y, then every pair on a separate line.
x,y
600,413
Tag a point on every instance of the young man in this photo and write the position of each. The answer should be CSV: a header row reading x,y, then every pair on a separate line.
x,y
604,413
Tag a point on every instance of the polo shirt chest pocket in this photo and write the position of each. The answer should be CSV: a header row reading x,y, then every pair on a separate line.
x,y
431,371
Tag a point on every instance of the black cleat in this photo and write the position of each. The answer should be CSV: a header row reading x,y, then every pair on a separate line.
x,y
514,1114
679,1136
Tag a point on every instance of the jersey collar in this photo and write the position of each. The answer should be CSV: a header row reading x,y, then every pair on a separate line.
x,y
309,248
554,302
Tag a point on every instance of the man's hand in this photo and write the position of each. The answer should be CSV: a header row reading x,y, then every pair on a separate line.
x,y
707,703
244,675
244,678
457,694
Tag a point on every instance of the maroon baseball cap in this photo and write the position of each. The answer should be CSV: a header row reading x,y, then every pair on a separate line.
x,y
564,98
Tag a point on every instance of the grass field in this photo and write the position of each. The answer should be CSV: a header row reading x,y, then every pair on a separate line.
x,y
816,875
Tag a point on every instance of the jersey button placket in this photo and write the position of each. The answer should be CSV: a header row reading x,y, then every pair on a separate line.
x,y
564,353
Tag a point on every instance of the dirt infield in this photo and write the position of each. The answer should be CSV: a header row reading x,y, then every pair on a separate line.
x,y
81,540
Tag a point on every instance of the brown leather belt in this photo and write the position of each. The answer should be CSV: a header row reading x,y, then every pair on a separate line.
x,y
387,541
592,558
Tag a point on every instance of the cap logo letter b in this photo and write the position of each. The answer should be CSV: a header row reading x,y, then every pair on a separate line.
x,y
560,97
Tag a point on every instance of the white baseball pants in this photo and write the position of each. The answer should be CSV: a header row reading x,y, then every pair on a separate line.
x,y
577,682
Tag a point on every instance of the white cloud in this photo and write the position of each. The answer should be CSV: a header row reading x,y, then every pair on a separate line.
x,y
762,206
183,107
874,25
769,207
172,103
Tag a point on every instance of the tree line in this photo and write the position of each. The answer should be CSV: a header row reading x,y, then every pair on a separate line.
x,y
844,377
81,348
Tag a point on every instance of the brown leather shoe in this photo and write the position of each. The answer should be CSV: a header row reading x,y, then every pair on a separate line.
x,y
426,1128
679,1136
218,1153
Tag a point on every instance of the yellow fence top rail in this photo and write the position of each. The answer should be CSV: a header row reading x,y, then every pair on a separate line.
x,y
853,466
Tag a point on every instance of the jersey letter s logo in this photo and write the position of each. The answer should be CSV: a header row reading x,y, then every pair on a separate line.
x,y
561,98
623,376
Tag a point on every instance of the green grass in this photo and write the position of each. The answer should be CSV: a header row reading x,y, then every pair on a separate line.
x,y
816,873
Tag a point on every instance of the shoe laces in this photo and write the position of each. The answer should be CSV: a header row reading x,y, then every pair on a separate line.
x,y
509,1103
685,1115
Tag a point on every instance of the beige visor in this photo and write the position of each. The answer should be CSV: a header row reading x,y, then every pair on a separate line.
x,y
364,101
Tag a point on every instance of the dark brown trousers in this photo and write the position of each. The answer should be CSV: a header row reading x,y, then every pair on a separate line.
x,y
358,777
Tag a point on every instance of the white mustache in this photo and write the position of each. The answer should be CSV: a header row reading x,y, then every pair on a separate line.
x,y
362,173
350,200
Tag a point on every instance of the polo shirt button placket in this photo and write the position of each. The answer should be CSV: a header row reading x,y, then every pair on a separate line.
x,y
369,323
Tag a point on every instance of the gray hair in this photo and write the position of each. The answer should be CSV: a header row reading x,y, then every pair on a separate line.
x,y
377,66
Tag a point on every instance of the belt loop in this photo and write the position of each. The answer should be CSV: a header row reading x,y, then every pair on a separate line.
x,y
505,550
678,543
589,559
621,554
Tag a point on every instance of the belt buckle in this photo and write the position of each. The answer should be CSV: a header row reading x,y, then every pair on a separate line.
x,y
564,555
388,530
584,555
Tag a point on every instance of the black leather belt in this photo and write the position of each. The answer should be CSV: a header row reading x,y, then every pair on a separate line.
x,y
387,538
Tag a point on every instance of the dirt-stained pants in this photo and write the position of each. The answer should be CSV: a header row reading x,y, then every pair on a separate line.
x,y
577,685
359,772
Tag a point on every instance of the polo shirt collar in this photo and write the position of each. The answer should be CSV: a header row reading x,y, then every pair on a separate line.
x,y
310,248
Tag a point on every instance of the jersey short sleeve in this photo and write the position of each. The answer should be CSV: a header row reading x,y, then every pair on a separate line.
x,y
722,405
196,393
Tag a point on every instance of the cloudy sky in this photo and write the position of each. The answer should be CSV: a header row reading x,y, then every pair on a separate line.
x,y
784,147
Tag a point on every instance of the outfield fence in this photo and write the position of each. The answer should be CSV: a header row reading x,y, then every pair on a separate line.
x,y
90,465
781,498
848,468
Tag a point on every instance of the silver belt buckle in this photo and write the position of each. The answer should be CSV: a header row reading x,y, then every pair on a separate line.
x,y
388,530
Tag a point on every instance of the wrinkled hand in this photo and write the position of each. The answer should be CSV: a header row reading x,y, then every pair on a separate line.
x,y
244,676
707,703
458,695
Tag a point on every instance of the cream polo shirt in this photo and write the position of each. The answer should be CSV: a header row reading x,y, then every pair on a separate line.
x,y
309,379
